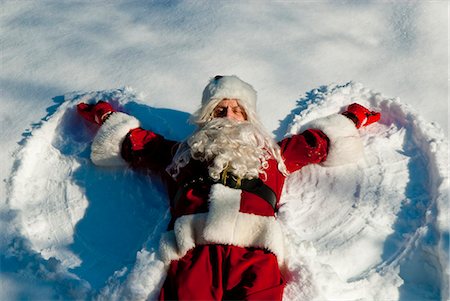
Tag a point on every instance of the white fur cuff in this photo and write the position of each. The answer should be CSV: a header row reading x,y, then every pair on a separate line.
x,y
345,143
107,143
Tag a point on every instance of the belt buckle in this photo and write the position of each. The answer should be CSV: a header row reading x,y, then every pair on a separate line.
x,y
235,184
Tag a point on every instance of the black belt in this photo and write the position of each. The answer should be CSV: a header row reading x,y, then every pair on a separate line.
x,y
255,186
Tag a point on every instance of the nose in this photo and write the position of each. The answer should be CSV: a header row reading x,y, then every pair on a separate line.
x,y
230,114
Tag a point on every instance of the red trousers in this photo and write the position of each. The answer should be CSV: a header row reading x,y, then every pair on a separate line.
x,y
219,272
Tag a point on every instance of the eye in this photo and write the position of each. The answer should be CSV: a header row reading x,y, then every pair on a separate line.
x,y
220,111
240,111
237,110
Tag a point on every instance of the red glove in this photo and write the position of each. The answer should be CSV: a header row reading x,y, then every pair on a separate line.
x,y
96,113
360,115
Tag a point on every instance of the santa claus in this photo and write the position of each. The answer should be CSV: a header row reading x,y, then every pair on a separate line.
x,y
224,183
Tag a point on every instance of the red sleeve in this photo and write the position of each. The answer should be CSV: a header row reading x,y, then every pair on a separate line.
x,y
146,149
309,147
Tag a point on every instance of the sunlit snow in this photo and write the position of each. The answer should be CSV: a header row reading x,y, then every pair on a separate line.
x,y
377,229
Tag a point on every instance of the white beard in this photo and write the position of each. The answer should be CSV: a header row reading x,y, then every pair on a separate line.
x,y
239,147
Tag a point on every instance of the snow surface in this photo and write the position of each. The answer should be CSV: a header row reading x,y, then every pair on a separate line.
x,y
374,230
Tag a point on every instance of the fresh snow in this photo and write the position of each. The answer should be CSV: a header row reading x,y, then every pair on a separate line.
x,y
360,231
377,229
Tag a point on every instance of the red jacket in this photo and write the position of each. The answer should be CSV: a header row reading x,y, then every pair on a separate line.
x,y
213,213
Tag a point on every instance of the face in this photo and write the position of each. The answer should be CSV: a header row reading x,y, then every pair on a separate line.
x,y
229,108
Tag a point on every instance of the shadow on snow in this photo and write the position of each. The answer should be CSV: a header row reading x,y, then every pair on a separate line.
x,y
126,211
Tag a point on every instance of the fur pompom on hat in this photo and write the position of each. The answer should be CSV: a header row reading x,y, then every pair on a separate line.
x,y
230,87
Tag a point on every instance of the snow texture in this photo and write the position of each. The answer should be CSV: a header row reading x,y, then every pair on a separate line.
x,y
375,229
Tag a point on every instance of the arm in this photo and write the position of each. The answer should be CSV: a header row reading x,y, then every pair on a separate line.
x,y
120,141
311,146
143,148
330,141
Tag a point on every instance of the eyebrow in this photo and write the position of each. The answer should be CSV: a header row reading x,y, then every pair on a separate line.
x,y
225,107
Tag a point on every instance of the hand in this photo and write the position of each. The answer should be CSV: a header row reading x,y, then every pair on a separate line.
x,y
360,115
96,113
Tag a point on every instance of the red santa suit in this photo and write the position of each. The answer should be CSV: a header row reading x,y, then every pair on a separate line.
x,y
223,242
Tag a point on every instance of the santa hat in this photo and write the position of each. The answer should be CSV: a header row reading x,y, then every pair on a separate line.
x,y
226,86
231,87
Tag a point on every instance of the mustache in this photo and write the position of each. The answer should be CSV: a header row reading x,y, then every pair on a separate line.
x,y
223,143
241,146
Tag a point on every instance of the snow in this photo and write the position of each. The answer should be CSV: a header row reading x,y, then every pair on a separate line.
x,y
377,229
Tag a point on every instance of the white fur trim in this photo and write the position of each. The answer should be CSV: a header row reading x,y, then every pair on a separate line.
x,y
345,143
168,249
186,235
230,86
107,143
226,225
223,224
